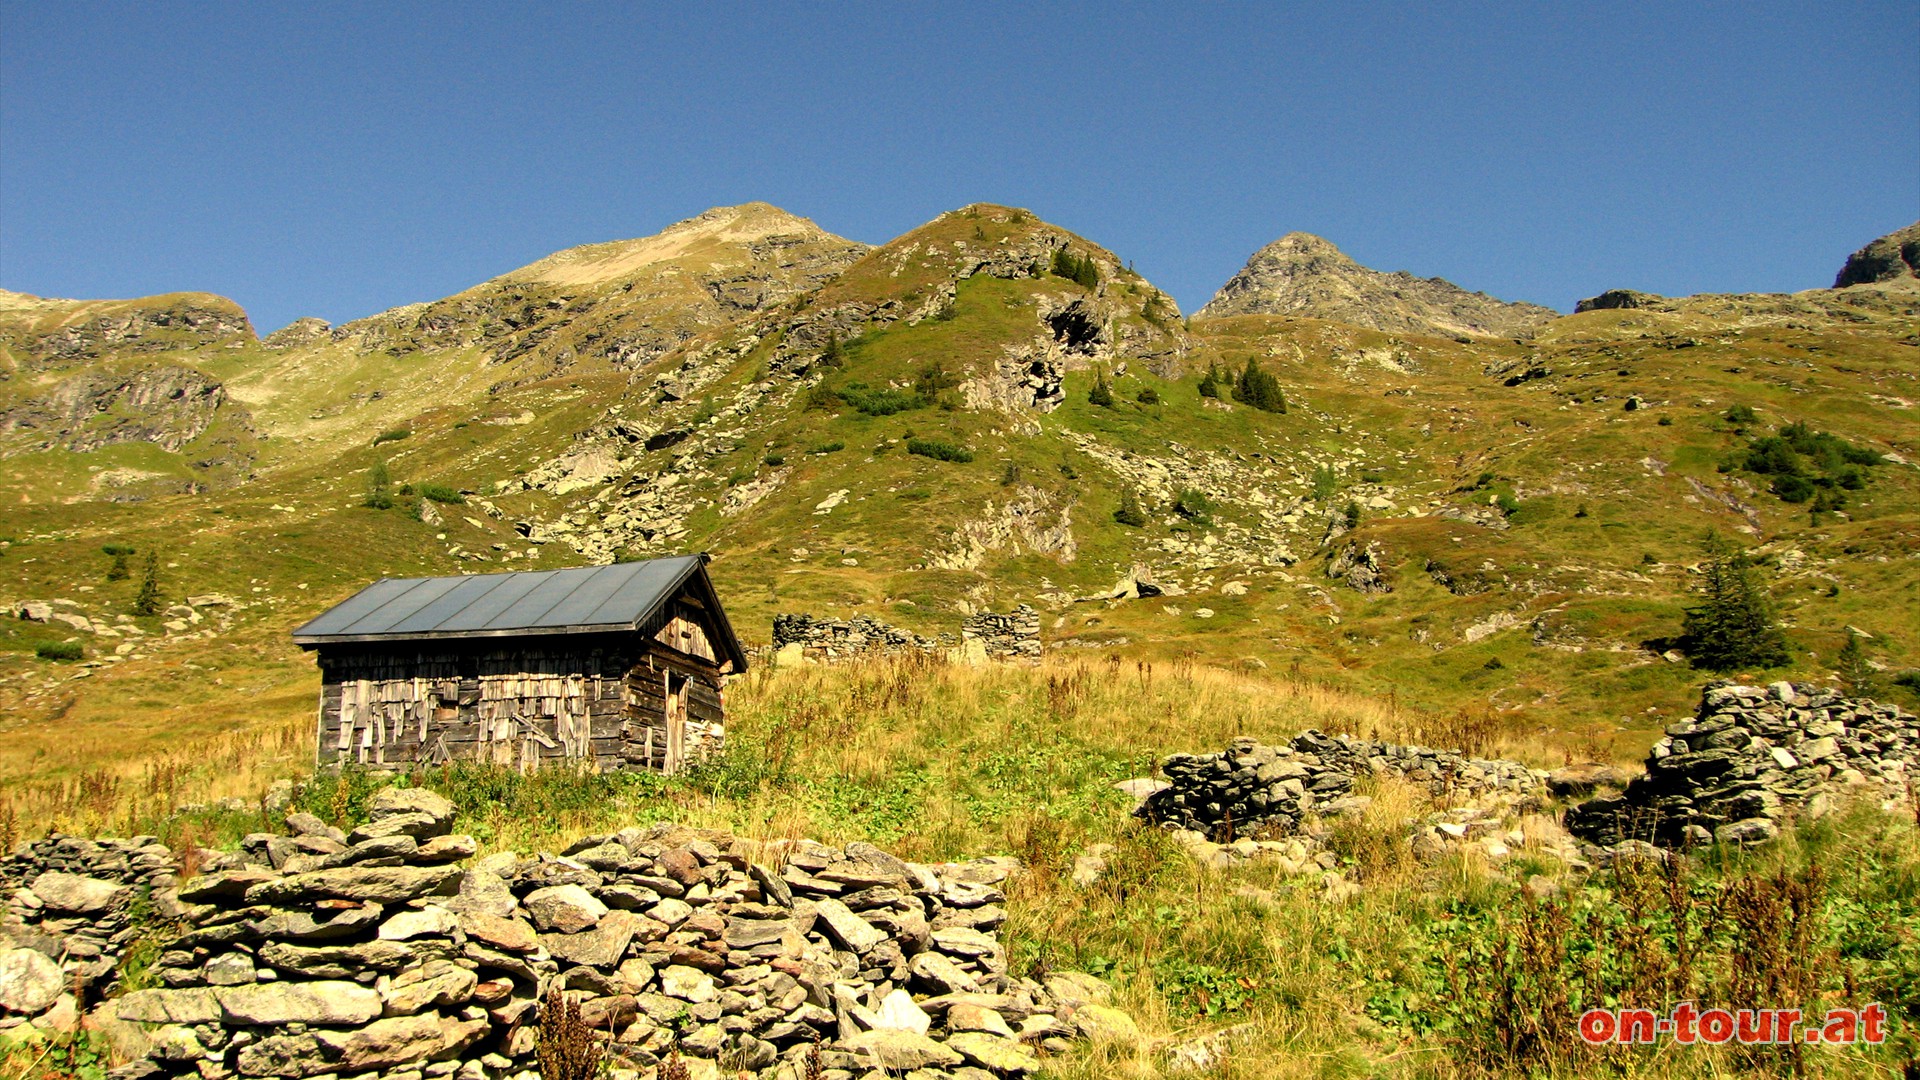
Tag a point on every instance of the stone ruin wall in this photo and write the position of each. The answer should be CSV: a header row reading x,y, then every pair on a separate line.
x,y
1751,759
320,954
1013,636
1250,787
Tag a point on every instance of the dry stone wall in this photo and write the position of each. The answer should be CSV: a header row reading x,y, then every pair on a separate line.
x,y
1750,759
1015,635
1274,789
372,955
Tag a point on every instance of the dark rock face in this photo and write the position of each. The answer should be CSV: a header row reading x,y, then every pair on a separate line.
x,y
1015,635
1890,258
1614,299
1302,274
1752,757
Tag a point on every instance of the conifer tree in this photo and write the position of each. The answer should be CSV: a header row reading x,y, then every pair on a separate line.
x,y
1130,512
379,487
1733,626
1258,388
1101,394
1210,382
1855,673
147,600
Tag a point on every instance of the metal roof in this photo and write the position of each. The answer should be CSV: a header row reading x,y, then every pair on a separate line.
x,y
587,599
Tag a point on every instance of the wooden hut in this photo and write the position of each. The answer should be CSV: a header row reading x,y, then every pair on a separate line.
x,y
619,665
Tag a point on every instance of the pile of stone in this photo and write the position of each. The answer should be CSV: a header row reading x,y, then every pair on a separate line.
x,y
70,917
1015,635
1751,758
1273,789
370,955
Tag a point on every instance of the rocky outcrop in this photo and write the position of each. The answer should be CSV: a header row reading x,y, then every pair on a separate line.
x,y
330,954
164,405
1617,299
1749,760
1274,789
298,334
54,333
1893,257
1362,569
1302,274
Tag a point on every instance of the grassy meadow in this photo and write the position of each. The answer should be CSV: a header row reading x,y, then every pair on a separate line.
x,y
1448,966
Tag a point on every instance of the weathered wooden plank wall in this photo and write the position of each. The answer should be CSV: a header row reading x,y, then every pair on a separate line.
x,y
525,701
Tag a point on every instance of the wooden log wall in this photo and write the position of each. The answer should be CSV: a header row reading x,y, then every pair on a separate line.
x,y
525,702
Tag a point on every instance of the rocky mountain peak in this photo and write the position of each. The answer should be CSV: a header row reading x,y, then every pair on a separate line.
x,y
1893,257
721,234
1304,274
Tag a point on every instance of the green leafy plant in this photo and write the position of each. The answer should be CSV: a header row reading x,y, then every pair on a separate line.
x,y
775,460
394,435
1148,396
1129,512
60,650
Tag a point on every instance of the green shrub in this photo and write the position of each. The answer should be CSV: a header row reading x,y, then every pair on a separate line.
x,y
829,448
117,549
1194,506
1507,503
1011,475
1353,513
880,401
391,436
118,571
60,650
1129,512
938,450
1148,396
441,493
1325,483
1739,415
774,460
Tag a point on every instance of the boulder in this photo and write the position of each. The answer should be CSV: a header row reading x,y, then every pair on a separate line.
x,y
1102,1023
567,909
75,894
994,1053
29,982
396,802
901,1051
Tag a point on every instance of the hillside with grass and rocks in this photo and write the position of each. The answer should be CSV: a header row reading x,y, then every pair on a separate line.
x,y
1449,567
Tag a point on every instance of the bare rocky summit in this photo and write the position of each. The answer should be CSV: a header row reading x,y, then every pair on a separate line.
x,y
1893,257
1302,274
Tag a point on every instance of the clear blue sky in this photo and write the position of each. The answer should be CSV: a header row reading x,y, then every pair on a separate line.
x,y
336,159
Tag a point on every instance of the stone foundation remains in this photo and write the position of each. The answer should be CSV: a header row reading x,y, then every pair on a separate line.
x,y
1013,636
1749,760
1250,787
